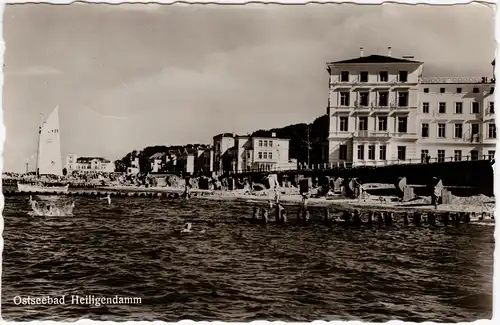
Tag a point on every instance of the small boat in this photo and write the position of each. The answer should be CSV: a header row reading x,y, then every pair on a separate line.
x,y
49,159
29,188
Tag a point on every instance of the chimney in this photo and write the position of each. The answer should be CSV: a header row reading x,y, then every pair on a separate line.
x,y
389,51
273,135
361,51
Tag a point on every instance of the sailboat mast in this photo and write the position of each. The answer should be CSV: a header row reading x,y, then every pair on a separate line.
x,y
38,144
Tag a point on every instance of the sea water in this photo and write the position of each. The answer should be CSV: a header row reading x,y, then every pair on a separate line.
x,y
228,270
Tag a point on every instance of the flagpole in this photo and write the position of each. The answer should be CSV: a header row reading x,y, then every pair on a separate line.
x,y
38,144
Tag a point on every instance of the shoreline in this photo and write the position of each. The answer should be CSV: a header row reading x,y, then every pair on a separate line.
x,y
336,202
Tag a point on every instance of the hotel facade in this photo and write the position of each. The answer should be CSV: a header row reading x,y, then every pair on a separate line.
x,y
383,111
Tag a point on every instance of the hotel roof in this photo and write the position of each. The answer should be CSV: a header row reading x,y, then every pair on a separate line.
x,y
376,59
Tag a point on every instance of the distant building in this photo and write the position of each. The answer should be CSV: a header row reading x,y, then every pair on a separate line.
x,y
222,156
134,168
88,164
382,111
189,159
158,162
251,153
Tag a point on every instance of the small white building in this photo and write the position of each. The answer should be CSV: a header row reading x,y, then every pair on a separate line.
x,y
88,164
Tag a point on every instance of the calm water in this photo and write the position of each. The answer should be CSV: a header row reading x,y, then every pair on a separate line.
x,y
239,272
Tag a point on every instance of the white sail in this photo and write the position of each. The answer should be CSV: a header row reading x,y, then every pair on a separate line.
x,y
49,146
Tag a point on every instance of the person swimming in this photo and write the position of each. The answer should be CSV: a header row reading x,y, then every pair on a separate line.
x,y
108,197
187,227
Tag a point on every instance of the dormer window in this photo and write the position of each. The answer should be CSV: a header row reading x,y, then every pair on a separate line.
x,y
403,76
384,76
363,76
344,76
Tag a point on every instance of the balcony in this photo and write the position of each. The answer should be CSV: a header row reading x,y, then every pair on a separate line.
x,y
405,135
371,134
456,80
377,107
340,135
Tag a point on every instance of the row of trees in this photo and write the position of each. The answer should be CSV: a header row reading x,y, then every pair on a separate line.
x,y
306,144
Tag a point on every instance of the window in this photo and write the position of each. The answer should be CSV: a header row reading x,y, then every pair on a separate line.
x,y
459,90
265,155
265,143
384,76
344,76
260,143
343,152
248,154
458,130
475,132
492,131
402,98
382,123
474,154
363,123
442,108
361,152
441,155
363,98
425,108
383,98
425,130
363,76
492,90
403,76
344,123
426,90
442,130
260,155
371,152
401,153
270,143
491,154
492,107
441,90
344,99
270,155
458,108
475,108
402,124
475,90
383,152
423,155
458,155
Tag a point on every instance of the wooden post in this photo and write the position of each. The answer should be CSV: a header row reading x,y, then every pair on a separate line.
x,y
327,215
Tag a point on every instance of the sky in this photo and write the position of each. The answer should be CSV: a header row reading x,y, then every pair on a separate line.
x,y
129,76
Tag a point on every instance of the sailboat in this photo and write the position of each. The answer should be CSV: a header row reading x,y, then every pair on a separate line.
x,y
49,159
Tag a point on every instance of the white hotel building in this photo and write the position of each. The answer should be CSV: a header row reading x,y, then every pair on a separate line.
x,y
382,111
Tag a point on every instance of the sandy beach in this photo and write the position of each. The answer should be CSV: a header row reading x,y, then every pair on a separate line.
x,y
477,204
